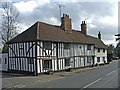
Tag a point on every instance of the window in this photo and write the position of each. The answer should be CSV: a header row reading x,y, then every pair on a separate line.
x,y
88,47
47,64
66,46
103,59
30,61
47,45
98,49
5,60
67,61
103,50
88,59
0,61
98,59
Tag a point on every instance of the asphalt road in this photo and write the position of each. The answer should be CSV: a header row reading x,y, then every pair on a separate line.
x,y
102,77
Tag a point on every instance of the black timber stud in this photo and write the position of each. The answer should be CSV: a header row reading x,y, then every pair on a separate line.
x,y
36,73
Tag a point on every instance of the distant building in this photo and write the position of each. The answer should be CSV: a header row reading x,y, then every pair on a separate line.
x,y
44,47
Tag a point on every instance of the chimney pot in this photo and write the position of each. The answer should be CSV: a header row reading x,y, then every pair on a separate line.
x,y
83,28
99,35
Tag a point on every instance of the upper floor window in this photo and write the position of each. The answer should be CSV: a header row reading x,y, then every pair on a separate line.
x,y
66,46
103,50
98,49
88,47
47,45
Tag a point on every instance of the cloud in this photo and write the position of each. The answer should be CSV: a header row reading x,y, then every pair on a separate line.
x,y
25,7
100,16
5,0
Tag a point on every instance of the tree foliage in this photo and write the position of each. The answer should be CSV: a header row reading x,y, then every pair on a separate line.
x,y
9,25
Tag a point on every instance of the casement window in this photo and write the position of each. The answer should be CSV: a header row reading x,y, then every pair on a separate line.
x,y
47,45
66,46
0,60
103,50
88,47
5,62
88,59
30,61
98,59
67,61
98,49
103,59
47,64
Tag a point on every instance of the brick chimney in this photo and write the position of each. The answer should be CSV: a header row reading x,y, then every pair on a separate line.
x,y
66,23
83,28
99,35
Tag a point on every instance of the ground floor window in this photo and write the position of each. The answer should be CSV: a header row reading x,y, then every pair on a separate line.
x,y
67,61
5,60
47,64
88,59
98,59
104,59
30,61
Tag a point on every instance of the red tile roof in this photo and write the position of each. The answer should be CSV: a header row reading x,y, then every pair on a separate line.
x,y
46,32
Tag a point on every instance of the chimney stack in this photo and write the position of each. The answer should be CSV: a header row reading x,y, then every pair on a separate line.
x,y
66,23
83,27
99,35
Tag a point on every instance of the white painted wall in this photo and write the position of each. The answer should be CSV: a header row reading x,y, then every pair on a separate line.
x,y
3,65
100,54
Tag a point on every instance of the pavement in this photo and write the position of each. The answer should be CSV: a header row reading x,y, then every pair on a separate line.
x,y
20,81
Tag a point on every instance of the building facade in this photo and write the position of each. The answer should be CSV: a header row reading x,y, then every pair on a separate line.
x,y
44,47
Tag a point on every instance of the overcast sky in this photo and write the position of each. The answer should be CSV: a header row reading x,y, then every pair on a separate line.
x,y
100,16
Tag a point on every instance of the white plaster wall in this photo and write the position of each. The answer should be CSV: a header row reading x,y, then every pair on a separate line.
x,y
3,66
100,54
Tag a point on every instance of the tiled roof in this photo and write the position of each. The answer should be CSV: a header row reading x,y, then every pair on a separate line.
x,y
46,32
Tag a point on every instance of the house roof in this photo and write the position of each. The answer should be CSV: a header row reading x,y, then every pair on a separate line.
x,y
46,32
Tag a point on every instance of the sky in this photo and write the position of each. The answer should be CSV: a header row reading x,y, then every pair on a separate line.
x,y
100,15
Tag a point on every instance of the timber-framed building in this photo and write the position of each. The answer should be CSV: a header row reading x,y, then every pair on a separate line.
x,y
44,47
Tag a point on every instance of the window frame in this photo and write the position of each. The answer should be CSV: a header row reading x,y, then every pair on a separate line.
x,y
98,50
66,46
89,59
98,59
67,62
88,47
103,50
49,64
5,62
30,61
47,45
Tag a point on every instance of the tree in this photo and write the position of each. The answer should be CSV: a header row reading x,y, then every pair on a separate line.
x,y
117,50
9,25
110,52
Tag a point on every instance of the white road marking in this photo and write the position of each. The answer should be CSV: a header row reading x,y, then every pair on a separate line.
x,y
19,86
92,83
110,72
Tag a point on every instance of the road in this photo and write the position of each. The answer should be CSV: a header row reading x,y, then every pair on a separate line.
x,y
101,77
